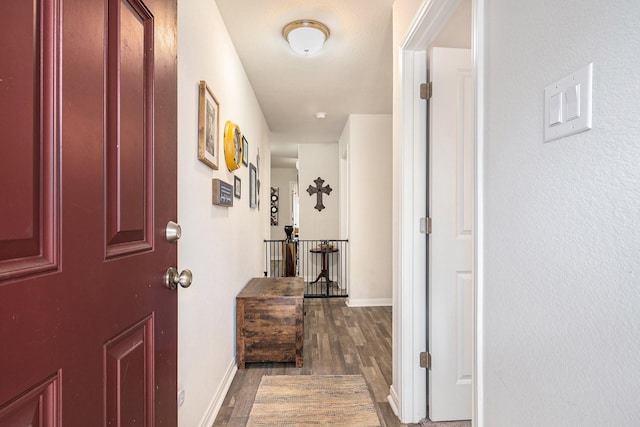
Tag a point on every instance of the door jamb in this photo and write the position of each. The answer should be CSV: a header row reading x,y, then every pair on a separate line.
x,y
408,394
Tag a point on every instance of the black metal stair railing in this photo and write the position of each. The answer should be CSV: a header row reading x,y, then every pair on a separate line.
x,y
323,264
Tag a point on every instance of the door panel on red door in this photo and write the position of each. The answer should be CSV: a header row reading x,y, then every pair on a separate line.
x,y
129,136
39,406
128,369
28,94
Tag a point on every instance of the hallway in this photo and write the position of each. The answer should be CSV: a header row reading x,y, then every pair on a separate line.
x,y
338,340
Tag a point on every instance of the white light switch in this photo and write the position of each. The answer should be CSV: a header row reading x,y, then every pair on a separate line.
x,y
572,94
555,109
574,115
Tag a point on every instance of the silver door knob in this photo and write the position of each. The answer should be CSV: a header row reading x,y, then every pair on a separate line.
x,y
172,278
173,232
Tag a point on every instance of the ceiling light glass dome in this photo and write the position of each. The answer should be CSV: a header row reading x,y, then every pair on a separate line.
x,y
306,36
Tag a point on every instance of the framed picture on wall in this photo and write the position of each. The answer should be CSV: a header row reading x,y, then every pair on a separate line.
x,y
237,187
208,126
275,196
258,178
245,151
253,186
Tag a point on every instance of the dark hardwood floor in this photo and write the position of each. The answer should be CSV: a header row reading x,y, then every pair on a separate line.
x,y
338,340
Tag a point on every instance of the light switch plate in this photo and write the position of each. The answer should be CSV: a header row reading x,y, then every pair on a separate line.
x,y
582,81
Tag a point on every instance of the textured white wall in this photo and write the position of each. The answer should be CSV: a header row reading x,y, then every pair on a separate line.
x,y
343,151
456,32
369,138
562,249
280,177
318,160
222,246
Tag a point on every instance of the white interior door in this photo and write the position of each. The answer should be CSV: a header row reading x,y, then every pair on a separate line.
x,y
450,310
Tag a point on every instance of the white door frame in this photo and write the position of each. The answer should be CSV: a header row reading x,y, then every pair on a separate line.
x,y
408,392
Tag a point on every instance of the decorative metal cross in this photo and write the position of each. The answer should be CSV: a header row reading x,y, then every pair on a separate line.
x,y
318,190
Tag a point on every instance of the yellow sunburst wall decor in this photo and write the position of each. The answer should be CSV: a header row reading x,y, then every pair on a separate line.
x,y
232,145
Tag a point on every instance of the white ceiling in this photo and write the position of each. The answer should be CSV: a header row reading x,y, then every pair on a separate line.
x,y
351,74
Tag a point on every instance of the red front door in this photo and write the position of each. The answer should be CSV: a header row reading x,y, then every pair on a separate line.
x,y
87,185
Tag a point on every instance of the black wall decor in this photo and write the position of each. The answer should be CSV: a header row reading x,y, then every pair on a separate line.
x,y
318,190
275,196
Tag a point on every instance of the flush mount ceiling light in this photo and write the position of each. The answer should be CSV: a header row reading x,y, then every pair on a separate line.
x,y
306,36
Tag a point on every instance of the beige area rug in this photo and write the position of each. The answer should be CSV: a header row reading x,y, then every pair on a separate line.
x,y
428,423
313,400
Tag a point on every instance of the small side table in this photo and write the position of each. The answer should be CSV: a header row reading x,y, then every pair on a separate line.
x,y
325,268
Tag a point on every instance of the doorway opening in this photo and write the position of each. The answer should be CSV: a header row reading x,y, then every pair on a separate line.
x,y
409,391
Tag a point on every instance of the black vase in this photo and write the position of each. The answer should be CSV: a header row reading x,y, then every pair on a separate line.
x,y
288,229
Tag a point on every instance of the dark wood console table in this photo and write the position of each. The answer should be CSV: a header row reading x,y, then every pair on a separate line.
x,y
270,320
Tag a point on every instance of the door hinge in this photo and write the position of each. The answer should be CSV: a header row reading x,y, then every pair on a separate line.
x,y
425,360
426,90
425,225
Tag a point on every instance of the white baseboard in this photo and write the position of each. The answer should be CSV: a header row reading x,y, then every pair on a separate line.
x,y
216,403
393,400
373,302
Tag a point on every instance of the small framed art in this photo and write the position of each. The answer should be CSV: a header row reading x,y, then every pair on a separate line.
x,y
237,187
245,151
275,196
222,193
253,186
208,126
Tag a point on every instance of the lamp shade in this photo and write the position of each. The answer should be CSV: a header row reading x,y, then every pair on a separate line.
x,y
306,36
